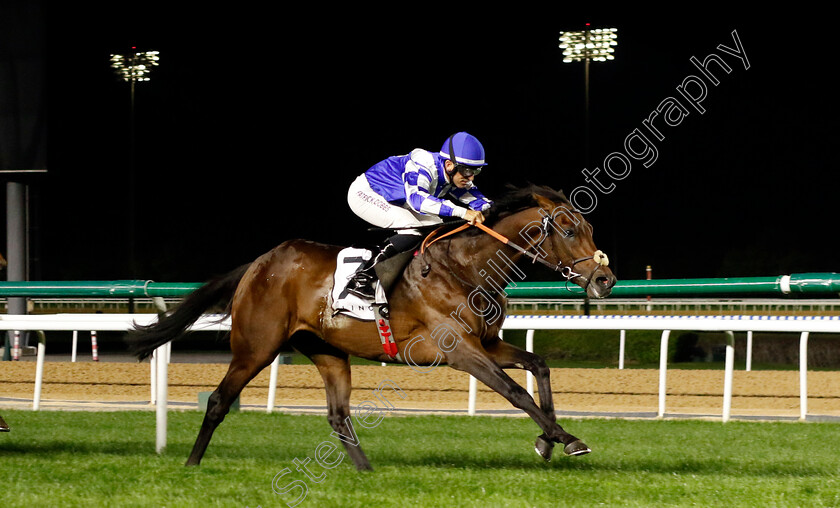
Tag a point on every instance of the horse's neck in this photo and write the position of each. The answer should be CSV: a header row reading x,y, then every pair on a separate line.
x,y
474,253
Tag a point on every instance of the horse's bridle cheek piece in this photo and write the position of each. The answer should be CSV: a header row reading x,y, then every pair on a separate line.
x,y
566,271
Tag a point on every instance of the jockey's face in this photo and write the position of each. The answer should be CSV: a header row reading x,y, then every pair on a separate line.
x,y
461,181
457,178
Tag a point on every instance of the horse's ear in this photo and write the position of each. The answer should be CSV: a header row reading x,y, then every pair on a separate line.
x,y
543,201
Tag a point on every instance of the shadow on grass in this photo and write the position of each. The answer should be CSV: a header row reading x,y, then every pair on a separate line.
x,y
648,465
52,448
438,443
384,462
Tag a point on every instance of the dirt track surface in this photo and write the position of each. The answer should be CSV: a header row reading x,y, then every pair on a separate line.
x,y
763,393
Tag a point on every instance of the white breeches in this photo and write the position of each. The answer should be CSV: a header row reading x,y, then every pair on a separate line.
x,y
373,208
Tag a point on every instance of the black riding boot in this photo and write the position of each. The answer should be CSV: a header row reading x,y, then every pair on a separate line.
x,y
363,281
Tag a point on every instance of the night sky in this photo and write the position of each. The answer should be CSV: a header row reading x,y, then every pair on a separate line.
x,y
254,125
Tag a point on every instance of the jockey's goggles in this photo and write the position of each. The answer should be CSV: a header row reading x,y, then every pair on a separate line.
x,y
468,171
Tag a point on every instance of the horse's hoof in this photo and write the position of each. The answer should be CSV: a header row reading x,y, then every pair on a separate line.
x,y
362,465
576,447
544,447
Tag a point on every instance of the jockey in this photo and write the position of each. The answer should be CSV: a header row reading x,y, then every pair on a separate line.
x,y
412,190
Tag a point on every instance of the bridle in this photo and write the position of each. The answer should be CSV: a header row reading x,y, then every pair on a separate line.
x,y
566,271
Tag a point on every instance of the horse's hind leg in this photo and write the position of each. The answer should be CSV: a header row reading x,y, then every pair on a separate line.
x,y
336,374
241,371
334,366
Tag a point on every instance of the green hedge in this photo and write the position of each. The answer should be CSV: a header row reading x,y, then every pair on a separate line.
x,y
599,348
595,346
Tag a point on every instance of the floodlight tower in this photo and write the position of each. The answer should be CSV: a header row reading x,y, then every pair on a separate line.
x,y
588,45
133,68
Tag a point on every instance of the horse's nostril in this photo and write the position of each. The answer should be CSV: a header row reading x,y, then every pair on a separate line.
x,y
605,282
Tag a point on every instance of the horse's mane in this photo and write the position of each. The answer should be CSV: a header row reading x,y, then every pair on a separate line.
x,y
520,198
515,199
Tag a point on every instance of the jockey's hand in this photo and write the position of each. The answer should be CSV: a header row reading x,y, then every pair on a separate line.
x,y
474,216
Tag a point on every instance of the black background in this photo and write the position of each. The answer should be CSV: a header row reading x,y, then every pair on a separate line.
x,y
255,123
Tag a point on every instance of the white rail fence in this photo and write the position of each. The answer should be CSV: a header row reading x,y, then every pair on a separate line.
x,y
116,323
804,325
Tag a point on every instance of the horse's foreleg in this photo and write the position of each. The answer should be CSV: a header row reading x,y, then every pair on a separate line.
x,y
238,375
336,373
470,359
508,356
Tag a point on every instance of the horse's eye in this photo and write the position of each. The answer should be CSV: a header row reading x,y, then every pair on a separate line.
x,y
569,232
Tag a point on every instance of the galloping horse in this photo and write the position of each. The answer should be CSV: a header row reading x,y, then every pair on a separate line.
x,y
284,298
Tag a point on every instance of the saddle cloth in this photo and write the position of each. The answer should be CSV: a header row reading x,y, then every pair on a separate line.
x,y
349,260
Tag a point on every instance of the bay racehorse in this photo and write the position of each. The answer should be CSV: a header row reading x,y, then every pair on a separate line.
x,y
447,308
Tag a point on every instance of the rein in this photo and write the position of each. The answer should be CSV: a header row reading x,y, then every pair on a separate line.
x,y
566,271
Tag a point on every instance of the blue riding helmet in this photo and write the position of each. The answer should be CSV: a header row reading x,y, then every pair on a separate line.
x,y
466,149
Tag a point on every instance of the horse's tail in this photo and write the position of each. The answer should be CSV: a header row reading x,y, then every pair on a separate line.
x,y
144,339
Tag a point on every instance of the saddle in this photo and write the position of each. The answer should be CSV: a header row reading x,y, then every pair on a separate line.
x,y
388,272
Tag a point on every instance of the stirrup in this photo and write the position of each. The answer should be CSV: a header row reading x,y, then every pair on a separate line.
x,y
364,292
362,288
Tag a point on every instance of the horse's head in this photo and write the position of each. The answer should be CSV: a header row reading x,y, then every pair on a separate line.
x,y
562,239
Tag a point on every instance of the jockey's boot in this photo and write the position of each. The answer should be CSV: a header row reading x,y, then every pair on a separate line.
x,y
4,427
363,281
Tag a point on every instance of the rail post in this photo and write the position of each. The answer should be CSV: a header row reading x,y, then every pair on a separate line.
x,y
663,368
803,376
727,376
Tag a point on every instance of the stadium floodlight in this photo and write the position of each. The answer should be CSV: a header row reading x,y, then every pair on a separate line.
x,y
585,46
596,45
136,66
133,68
